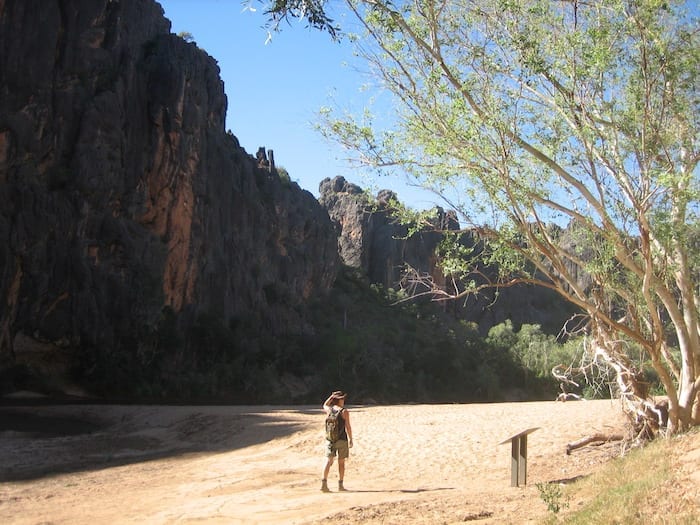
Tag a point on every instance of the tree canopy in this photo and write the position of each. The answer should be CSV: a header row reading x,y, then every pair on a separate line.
x,y
565,134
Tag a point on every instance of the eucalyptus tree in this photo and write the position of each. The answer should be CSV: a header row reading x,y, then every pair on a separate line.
x,y
527,114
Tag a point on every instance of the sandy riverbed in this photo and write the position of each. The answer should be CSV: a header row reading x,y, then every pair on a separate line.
x,y
254,464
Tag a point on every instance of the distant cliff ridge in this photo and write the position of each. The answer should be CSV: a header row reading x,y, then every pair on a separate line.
x,y
123,196
373,240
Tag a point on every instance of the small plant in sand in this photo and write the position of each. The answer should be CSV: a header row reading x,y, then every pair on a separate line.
x,y
552,495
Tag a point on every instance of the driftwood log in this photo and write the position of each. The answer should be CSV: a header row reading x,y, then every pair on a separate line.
x,y
597,439
566,396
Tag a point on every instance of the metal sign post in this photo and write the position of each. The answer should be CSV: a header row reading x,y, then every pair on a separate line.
x,y
518,457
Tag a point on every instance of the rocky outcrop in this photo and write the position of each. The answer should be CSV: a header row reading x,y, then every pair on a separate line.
x,y
123,195
373,240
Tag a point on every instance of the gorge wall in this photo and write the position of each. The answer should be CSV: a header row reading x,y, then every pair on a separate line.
x,y
145,254
123,197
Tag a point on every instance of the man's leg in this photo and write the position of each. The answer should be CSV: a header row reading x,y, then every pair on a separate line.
x,y
341,473
326,470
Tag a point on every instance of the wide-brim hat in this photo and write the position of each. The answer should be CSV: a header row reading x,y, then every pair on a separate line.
x,y
339,394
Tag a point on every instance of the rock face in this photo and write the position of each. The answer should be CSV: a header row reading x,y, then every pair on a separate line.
x,y
123,195
141,245
372,240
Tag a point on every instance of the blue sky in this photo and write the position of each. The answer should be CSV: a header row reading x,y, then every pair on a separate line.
x,y
276,89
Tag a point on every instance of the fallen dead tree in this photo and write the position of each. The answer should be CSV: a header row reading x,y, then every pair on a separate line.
x,y
597,439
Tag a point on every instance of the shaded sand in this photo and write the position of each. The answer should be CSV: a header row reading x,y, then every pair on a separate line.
x,y
220,464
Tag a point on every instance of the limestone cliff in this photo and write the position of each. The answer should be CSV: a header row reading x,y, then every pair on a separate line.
x,y
375,242
123,197
145,254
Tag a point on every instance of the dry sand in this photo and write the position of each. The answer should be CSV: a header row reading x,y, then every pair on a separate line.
x,y
256,464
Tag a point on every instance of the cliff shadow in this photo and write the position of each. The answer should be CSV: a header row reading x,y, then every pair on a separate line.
x,y
41,441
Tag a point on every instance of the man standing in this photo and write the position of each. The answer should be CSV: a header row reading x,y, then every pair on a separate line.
x,y
338,436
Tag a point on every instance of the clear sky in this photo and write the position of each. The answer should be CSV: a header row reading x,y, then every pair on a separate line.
x,y
275,90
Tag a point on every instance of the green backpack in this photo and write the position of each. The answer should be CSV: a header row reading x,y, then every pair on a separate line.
x,y
333,425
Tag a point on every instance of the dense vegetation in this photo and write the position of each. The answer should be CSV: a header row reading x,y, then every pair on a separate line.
x,y
362,341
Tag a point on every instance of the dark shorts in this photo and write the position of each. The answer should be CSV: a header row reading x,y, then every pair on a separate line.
x,y
340,447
